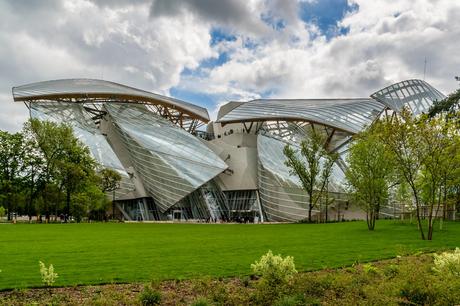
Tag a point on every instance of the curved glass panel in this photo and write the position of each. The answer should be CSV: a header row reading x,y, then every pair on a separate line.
x,y
85,88
418,95
86,131
350,115
171,162
281,193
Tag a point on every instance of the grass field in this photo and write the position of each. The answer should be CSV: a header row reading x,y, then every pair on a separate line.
x,y
102,253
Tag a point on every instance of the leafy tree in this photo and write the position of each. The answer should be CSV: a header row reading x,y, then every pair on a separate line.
x,y
369,173
402,139
33,167
53,140
441,141
109,182
447,106
313,167
11,166
2,212
75,170
426,154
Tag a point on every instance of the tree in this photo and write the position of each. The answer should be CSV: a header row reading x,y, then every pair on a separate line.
x,y
441,141
448,106
370,173
52,139
75,170
109,182
11,166
426,154
33,167
402,139
313,167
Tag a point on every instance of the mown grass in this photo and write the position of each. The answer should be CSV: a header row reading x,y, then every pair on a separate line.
x,y
105,253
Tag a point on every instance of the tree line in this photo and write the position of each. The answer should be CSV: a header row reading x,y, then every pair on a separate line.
x,y
414,160
46,171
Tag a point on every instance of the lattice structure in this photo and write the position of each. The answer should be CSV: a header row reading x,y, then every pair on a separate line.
x,y
417,95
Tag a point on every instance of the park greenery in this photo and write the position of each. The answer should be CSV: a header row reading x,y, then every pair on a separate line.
x,y
412,160
95,253
46,171
405,280
313,167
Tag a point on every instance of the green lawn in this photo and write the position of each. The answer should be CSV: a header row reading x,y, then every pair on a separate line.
x,y
101,253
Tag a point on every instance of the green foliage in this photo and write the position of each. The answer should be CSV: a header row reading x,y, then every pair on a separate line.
x,y
48,274
2,211
150,297
370,172
46,170
275,272
313,167
447,106
426,155
274,269
296,300
106,252
448,263
201,301
370,269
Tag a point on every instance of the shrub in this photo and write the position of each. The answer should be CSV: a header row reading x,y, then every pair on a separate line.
x,y
149,297
48,275
201,301
391,271
275,272
447,263
274,269
370,269
296,300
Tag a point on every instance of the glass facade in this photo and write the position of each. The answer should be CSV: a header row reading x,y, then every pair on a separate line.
x,y
171,162
87,132
350,115
153,142
417,95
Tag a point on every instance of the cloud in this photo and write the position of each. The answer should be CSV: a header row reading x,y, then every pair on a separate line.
x,y
226,50
238,15
385,44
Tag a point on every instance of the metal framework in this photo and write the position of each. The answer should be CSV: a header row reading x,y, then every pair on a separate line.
x,y
417,95
98,92
349,115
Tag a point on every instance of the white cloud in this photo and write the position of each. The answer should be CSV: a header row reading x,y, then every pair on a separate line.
x,y
148,45
385,44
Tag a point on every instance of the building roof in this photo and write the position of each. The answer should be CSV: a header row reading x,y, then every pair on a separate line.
x,y
418,95
350,115
82,90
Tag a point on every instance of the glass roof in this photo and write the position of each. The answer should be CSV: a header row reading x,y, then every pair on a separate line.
x,y
350,115
92,88
418,95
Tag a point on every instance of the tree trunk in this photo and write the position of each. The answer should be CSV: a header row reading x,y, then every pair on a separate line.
x,y
417,209
310,206
67,206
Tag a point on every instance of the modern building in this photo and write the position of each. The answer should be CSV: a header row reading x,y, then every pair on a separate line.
x,y
177,164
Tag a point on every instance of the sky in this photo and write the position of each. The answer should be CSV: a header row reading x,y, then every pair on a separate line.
x,y
210,52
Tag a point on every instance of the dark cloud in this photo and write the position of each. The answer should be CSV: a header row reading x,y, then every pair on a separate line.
x,y
229,13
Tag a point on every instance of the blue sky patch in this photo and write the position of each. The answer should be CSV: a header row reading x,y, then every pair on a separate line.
x,y
326,14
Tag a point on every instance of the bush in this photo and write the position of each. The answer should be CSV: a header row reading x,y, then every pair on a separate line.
x,y
274,269
48,275
447,263
149,297
296,300
275,272
370,269
201,302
